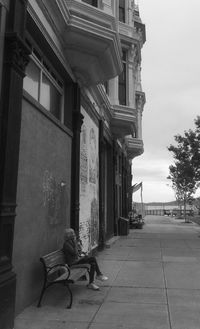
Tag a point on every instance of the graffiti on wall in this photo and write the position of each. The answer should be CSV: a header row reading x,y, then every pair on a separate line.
x,y
94,213
83,160
54,198
93,156
89,183
85,233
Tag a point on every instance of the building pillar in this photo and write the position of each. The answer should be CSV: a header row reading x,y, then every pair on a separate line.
x,y
125,185
75,170
139,106
130,8
3,12
15,59
117,186
101,186
130,177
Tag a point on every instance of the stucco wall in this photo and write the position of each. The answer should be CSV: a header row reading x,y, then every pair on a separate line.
x,y
89,183
43,199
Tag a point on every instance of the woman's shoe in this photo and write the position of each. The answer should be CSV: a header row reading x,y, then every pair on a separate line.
x,y
92,286
101,277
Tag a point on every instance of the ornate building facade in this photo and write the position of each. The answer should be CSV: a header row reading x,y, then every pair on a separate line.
x,y
70,125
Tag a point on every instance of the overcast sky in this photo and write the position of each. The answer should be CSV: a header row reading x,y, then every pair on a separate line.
x,y
171,82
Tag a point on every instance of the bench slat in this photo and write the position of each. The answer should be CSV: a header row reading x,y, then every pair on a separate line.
x,y
54,258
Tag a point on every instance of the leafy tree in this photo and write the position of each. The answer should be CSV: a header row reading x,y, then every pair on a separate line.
x,y
185,173
197,204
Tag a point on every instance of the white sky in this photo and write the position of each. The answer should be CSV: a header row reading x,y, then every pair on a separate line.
x,y
171,82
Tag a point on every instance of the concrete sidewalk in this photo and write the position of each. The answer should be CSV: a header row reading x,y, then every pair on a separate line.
x,y
154,283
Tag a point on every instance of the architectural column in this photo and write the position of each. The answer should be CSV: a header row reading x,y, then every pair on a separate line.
x,y
75,169
130,12
133,78
101,186
131,83
139,115
140,101
123,174
15,59
124,187
116,184
4,5
115,188
130,177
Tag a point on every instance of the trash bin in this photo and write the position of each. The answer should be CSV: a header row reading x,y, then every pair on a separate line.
x,y
123,226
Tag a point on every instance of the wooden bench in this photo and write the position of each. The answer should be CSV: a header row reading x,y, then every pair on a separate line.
x,y
57,271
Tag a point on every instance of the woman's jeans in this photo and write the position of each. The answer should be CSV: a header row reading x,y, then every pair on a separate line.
x,y
94,267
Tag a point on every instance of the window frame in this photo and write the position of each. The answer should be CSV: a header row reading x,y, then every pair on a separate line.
x,y
123,83
45,69
122,12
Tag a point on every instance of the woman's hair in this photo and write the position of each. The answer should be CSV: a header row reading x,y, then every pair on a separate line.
x,y
69,232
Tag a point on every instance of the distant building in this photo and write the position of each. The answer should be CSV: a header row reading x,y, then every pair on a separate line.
x,y
70,125
168,210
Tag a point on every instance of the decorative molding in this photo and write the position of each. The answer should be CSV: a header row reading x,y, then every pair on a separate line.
x,y
17,53
128,33
5,3
102,99
134,146
91,13
140,100
89,107
92,37
79,33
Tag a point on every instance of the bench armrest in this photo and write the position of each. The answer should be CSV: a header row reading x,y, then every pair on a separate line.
x,y
86,266
64,267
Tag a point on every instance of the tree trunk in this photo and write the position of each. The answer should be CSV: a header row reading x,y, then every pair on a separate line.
x,y
185,216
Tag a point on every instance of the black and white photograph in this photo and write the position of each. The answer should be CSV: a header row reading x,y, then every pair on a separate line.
x,y
99,164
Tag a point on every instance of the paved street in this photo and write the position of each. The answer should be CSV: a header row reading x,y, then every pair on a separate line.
x,y
154,283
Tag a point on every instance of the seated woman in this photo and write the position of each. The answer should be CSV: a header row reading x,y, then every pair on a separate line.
x,y
74,255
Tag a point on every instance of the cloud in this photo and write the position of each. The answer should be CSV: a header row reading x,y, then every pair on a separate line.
x,y
170,79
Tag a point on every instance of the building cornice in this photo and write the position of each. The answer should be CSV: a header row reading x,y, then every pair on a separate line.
x,y
124,121
84,37
90,107
134,147
92,44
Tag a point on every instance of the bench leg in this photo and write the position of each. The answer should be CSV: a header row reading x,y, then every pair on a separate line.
x,y
70,295
41,295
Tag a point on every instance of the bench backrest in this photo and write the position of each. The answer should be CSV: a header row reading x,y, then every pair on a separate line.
x,y
53,258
